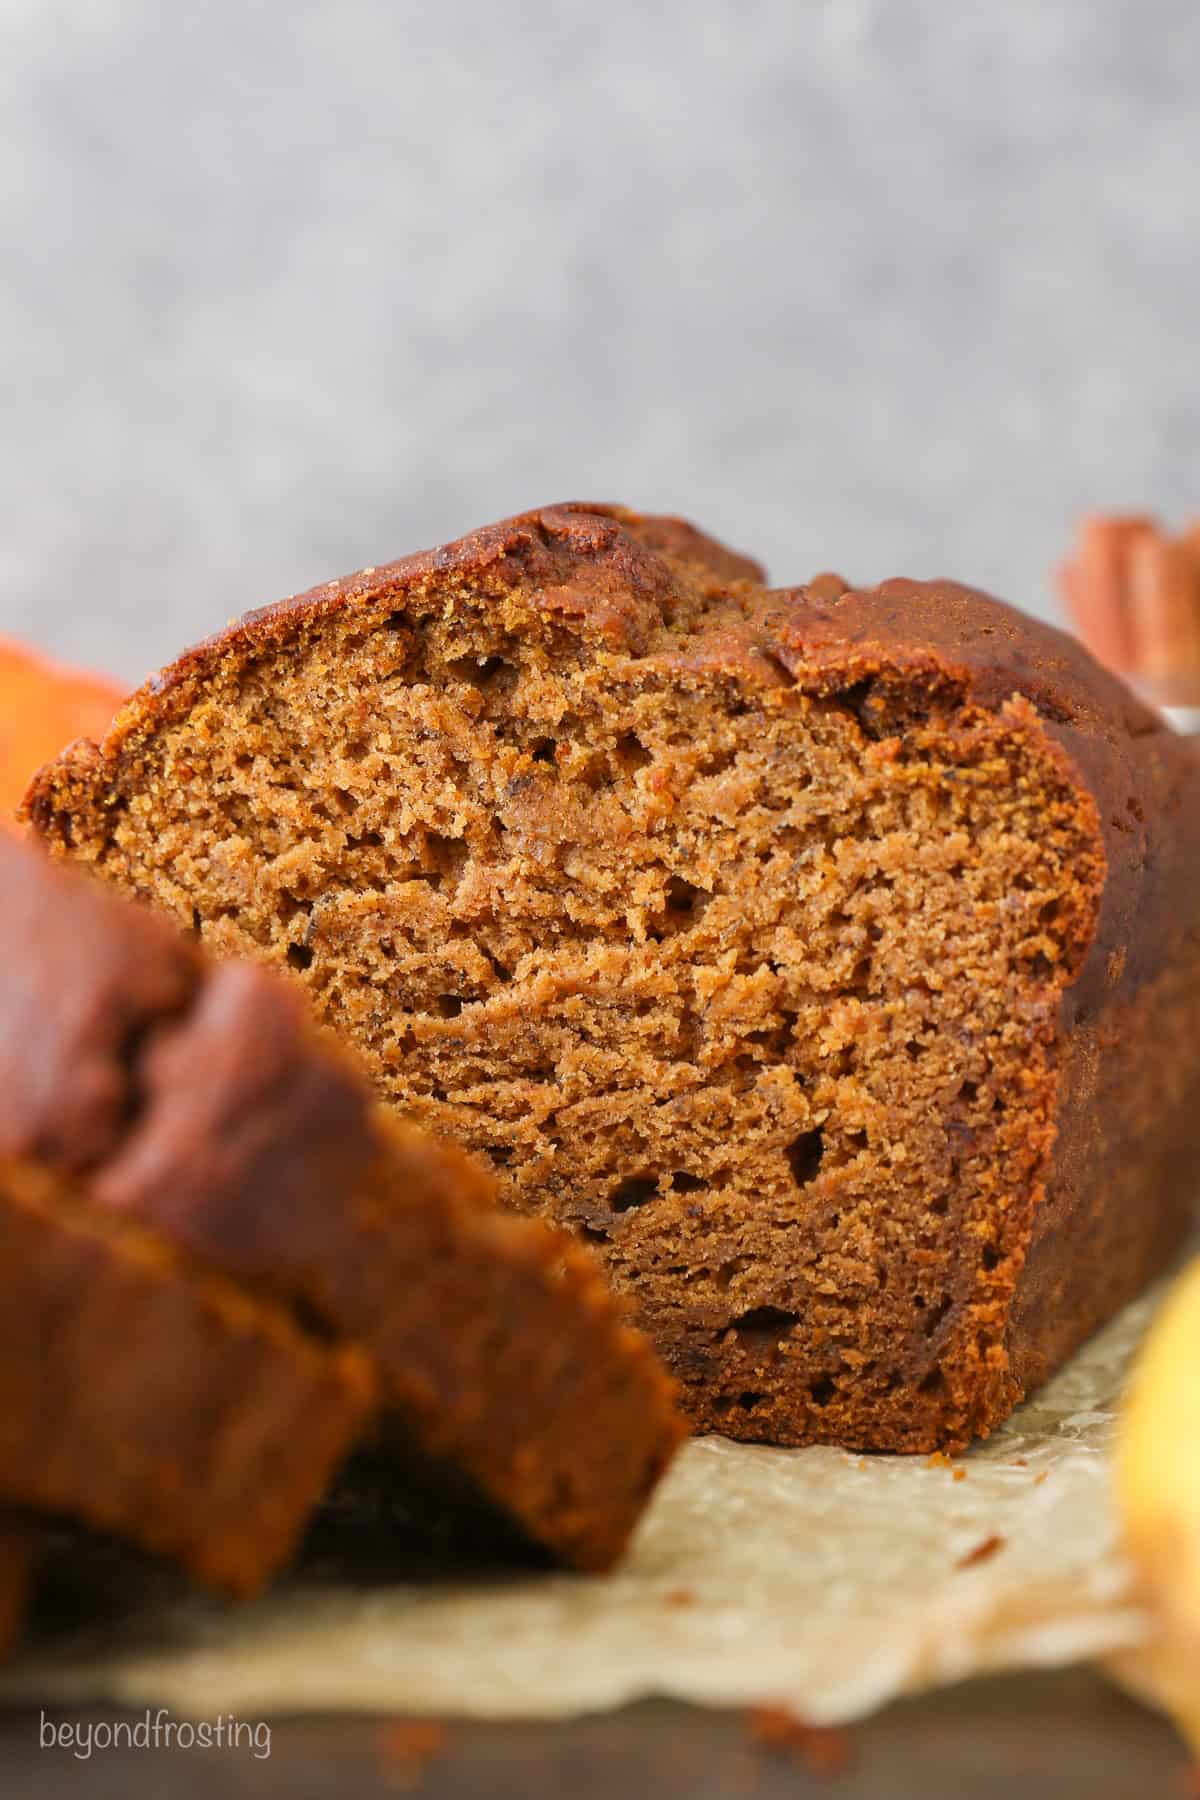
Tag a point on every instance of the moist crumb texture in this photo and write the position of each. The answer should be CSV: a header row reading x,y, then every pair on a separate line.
x,y
824,959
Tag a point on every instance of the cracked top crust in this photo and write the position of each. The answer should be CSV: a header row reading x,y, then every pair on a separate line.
x,y
657,588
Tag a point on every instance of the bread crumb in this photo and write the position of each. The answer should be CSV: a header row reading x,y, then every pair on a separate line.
x,y
406,1746
680,1596
823,1749
982,1552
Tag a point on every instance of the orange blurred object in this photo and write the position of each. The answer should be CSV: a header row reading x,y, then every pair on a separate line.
x,y
42,707
1134,594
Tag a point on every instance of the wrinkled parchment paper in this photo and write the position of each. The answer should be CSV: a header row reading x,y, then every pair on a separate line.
x,y
820,1580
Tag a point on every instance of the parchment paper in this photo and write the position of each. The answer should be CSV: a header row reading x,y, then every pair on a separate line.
x,y
820,1580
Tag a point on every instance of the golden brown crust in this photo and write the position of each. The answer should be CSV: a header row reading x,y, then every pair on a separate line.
x,y
937,672
632,564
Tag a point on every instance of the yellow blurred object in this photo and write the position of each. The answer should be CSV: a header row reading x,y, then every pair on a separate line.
x,y
42,708
1158,1486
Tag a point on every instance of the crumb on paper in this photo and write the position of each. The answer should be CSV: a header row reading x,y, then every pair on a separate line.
x,y
1038,1479
982,1552
679,1596
823,1749
938,1460
960,1474
406,1745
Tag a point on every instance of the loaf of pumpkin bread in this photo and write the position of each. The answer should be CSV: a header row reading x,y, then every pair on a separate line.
x,y
825,959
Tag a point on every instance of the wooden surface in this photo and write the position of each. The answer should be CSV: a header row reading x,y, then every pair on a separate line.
x,y
1063,1736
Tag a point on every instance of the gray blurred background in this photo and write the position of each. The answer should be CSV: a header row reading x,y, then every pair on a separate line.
x,y
898,286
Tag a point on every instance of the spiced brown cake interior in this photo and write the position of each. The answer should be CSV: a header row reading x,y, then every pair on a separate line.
x,y
821,957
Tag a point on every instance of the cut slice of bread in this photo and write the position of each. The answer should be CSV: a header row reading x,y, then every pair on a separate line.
x,y
827,960
196,1100
152,1400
